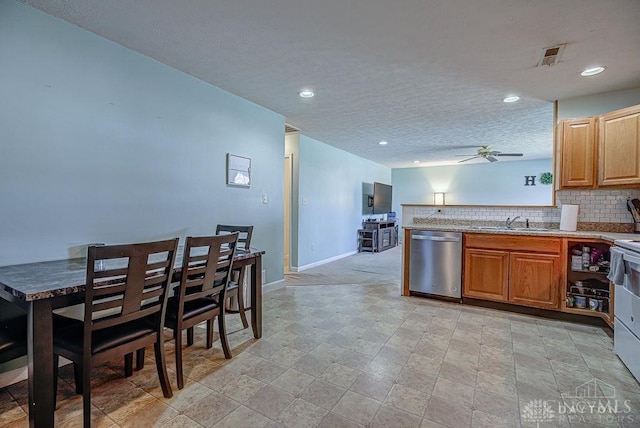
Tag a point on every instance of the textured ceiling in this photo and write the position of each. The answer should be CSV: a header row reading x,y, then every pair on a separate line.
x,y
428,76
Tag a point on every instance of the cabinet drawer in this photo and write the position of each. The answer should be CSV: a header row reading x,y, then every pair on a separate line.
x,y
535,244
627,308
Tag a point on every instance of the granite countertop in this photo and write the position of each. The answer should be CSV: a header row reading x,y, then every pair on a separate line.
x,y
44,280
607,236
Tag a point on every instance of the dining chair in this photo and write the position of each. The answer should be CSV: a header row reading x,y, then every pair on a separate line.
x,y
125,305
13,332
236,285
206,271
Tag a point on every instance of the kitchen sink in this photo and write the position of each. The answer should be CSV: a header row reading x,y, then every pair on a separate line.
x,y
532,229
518,229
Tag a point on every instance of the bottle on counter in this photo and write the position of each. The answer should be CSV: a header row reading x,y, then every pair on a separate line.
x,y
586,257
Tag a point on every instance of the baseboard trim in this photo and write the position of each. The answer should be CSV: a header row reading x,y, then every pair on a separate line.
x,y
13,376
20,373
273,286
322,262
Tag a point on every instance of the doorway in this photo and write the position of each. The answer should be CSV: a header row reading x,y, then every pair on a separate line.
x,y
288,163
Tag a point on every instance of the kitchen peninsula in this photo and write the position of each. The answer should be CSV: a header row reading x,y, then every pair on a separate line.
x,y
528,267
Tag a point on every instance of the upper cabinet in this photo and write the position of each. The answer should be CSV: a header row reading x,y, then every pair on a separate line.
x,y
577,154
606,147
619,147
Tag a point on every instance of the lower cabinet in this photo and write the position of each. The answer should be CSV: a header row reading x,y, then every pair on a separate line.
x,y
502,269
534,280
489,274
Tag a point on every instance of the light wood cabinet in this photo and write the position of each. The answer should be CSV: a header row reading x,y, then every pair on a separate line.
x,y
577,153
534,279
619,148
521,270
599,152
490,274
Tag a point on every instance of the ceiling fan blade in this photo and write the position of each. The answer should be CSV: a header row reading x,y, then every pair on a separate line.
x,y
507,154
464,160
452,147
491,159
466,155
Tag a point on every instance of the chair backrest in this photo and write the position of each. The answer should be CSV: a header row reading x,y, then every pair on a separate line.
x,y
206,268
245,232
126,283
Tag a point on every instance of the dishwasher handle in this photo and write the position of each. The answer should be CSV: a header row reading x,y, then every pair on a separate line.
x,y
436,238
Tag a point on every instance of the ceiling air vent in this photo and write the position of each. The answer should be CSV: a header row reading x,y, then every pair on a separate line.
x,y
551,55
289,128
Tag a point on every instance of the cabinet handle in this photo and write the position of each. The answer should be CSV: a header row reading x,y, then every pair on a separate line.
x,y
435,238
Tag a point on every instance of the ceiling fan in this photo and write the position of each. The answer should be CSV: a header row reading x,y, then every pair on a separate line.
x,y
488,153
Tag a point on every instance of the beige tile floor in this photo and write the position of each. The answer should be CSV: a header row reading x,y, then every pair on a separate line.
x,y
342,348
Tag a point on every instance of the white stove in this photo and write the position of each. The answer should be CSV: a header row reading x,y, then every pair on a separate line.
x,y
630,244
626,254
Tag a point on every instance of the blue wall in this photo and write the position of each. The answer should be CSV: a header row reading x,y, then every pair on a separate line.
x,y
101,144
593,105
328,199
497,183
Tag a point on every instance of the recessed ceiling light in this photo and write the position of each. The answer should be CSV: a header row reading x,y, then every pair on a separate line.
x,y
383,143
416,161
511,99
307,93
592,71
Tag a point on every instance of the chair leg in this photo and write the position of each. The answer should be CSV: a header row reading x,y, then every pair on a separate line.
x,y
128,364
190,336
77,377
240,297
161,365
86,394
140,359
178,344
223,336
209,334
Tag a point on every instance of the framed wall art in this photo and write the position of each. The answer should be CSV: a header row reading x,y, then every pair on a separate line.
x,y
238,171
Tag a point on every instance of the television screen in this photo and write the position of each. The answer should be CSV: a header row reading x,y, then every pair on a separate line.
x,y
381,198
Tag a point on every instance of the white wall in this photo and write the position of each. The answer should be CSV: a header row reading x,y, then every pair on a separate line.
x,y
497,183
329,200
101,144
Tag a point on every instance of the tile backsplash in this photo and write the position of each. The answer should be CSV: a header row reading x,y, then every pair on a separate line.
x,y
599,205
596,206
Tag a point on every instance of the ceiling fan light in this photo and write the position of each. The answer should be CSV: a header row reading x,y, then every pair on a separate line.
x,y
307,93
511,99
592,71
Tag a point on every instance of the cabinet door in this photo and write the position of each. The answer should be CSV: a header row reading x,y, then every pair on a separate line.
x,y
577,153
486,274
619,147
534,279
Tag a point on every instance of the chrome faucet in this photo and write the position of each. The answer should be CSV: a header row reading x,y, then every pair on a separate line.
x,y
509,222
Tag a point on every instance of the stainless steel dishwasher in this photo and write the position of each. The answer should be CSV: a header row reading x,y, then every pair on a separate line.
x,y
435,263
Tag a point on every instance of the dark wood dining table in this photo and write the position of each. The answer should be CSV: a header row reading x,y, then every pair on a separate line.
x,y
41,287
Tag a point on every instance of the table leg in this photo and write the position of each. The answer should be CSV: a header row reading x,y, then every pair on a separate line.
x,y
256,297
40,354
